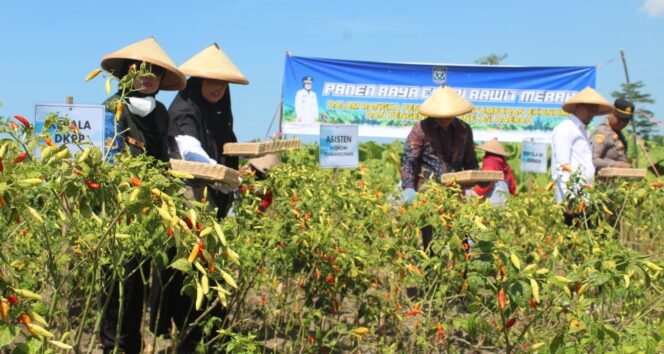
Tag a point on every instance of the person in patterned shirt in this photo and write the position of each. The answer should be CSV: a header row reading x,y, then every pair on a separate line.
x,y
438,144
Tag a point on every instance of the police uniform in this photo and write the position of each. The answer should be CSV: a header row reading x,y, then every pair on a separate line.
x,y
610,146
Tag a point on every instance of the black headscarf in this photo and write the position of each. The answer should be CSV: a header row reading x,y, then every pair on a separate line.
x,y
210,123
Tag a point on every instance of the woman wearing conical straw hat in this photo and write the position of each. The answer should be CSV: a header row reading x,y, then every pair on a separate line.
x,y
145,118
201,122
145,121
438,144
494,160
570,143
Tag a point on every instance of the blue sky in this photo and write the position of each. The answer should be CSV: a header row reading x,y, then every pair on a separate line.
x,y
49,46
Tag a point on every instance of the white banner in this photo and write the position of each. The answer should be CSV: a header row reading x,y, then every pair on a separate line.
x,y
339,146
89,120
534,157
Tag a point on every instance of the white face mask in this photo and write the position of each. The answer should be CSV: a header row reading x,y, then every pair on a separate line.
x,y
142,106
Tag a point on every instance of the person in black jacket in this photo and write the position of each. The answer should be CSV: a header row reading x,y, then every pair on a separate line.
x,y
144,126
201,122
201,119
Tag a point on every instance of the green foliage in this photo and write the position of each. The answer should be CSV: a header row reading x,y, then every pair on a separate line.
x,y
335,263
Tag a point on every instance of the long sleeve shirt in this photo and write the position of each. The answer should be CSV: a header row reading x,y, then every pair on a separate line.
x,y
496,163
571,147
609,146
431,151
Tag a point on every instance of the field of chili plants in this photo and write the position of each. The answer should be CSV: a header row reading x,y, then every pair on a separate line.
x,y
334,264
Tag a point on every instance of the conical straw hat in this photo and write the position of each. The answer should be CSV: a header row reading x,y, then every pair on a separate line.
x,y
213,63
265,163
493,146
445,103
149,51
589,96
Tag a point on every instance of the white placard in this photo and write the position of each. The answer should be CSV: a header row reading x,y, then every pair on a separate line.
x,y
89,120
338,146
534,157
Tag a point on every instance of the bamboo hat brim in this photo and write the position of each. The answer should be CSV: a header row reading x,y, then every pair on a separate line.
x,y
213,63
589,96
493,146
445,103
149,51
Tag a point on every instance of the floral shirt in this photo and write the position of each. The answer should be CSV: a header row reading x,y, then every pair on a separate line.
x,y
431,151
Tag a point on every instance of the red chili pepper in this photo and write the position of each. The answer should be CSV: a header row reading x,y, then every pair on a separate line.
x,y
501,299
201,245
199,227
329,279
14,126
201,256
509,324
92,185
440,333
136,182
414,312
48,141
3,202
262,299
533,304
2,168
73,127
77,171
12,299
187,220
20,157
23,121
170,232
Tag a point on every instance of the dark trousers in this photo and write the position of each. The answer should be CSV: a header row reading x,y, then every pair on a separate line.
x,y
427,236
166,288
130,339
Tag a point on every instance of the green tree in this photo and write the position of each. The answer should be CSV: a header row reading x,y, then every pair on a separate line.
x,y
491,59
632,91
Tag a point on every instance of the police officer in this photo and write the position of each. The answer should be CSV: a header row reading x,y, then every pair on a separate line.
x,y
609,144
306,102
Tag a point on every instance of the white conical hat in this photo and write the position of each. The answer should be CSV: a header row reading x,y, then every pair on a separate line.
x,y
589,96
213,63
444,102
493,146
149,51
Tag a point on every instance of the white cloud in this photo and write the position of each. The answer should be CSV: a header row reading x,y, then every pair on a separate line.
x,y
654,8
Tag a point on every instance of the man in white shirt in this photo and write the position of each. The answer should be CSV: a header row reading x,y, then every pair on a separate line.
x,y
306,102
570,143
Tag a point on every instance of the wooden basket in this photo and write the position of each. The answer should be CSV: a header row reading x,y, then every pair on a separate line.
x,y
260,148
614,172
472,177
208,171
